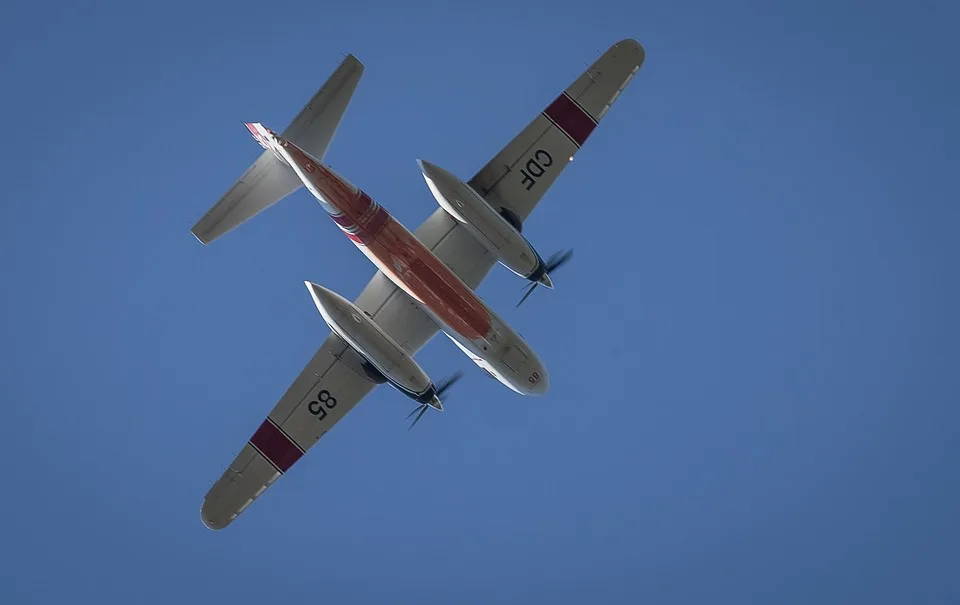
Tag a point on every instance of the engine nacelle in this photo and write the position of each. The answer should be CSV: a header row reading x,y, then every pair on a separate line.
x,y
494,231
386,359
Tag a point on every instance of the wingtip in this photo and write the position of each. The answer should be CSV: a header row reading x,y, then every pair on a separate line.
x,y
352,58
634,46
208,522
629,42
199,237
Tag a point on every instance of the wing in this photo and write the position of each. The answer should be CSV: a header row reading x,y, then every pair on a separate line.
x,y
523,171
333,382
327,388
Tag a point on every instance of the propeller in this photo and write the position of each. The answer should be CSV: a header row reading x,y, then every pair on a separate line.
x,y
441,388
557,260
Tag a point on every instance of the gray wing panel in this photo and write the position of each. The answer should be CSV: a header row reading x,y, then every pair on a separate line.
x,y
525,169
456,247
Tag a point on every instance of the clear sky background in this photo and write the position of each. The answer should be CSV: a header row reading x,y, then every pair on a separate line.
x,y
753,354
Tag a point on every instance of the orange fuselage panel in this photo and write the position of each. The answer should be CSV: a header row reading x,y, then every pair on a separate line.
x,y
398,251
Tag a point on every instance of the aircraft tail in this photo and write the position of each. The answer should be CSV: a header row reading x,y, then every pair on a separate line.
x,y
269,179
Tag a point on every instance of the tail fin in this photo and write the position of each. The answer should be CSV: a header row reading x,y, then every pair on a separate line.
x,y
260,133
269,179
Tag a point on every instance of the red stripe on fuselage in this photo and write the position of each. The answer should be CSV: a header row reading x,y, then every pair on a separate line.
x,y
393,245
274,445
571,118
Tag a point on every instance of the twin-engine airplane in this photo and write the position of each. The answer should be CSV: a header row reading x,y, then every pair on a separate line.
x,y
425,280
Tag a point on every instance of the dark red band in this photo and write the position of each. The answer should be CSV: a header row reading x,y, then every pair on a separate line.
x,y
275,446
571,119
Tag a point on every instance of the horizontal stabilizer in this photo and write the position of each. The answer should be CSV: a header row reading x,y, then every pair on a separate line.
x,y
313,128
270,180
265,183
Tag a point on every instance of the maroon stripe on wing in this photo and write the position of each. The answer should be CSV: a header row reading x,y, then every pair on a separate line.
x,y
572,119
274,445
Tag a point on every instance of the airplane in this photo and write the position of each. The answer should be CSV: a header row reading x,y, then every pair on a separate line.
x,y
425,281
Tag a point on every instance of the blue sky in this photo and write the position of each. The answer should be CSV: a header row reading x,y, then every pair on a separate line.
x,y
753,354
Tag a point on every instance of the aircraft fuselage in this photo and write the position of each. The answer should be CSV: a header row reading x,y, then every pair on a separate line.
x,y
458,310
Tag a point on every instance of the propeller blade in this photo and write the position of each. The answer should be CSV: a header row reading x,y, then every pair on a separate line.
x,y
533,287
448,382
559,259
442,387
415,410
423,410
556,260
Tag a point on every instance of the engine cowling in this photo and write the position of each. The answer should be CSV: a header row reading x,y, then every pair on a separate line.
x,y
386,361
498,234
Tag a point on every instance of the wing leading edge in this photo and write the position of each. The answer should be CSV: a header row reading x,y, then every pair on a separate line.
x,y
305,412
